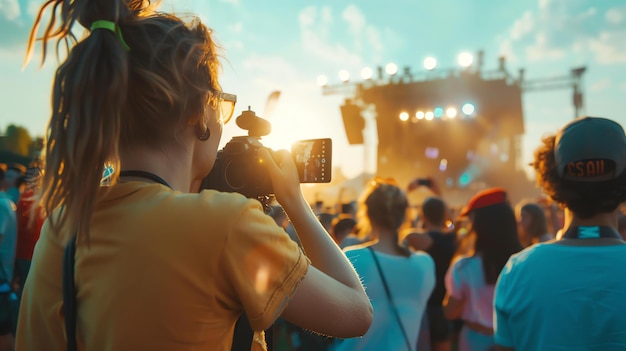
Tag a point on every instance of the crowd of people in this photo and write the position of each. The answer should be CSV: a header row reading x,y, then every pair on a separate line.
x,y
507,276
148,260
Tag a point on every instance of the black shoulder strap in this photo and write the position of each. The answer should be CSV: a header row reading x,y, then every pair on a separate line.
x,y
69,294
393,305
242,337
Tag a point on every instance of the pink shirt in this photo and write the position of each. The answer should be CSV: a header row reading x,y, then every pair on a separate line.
x,y
465,280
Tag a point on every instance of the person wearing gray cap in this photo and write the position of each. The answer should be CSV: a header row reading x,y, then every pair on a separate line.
x,y
570,294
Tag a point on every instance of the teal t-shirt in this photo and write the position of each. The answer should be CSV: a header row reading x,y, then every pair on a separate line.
x,y
555,297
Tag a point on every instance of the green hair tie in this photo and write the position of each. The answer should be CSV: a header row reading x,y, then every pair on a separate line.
x,y
104,24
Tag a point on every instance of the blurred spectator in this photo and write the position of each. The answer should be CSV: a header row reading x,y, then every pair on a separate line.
x,y
533,225
569,294
283,335
471,279
398,281
441,245
326,219
30,219
14,173
621,225
8,234
343,231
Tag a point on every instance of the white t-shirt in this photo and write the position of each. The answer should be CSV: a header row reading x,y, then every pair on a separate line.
x,y
411,280
8,230
553,297
465,280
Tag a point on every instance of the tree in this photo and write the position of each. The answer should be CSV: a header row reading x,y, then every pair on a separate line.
x,y
17,140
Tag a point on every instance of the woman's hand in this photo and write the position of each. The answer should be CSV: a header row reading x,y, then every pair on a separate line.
x,y
284,176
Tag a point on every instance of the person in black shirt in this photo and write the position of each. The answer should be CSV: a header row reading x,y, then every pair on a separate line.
x,y
441,245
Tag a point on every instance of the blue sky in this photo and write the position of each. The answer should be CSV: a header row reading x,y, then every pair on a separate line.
x,y
285,45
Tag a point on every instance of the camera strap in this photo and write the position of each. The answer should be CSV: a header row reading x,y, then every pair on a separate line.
x,y
591,232
145,175
69,295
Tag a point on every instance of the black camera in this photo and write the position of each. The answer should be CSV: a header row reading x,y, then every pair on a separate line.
x,y
238,169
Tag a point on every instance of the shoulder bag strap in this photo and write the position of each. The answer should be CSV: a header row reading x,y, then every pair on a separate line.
x,y
69,294
393,305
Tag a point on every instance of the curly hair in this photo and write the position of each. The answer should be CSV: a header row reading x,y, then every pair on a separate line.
x,y
585,199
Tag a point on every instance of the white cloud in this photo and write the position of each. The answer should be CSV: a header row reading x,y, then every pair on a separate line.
x,y
573,29
506,50
600,85
33,8
541,50
236,28
523,26
608,47
374,39
10,9
615,16
307,16
315,27
346,43
355,19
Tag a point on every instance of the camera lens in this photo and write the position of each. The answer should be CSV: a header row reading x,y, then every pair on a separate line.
x,y
237,172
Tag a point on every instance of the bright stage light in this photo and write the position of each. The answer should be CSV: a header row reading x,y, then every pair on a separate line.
x,y
431,152
430,63
438,112
468,109
443,164
465,59
322,81
344,75
451,112
429,115
419,114
391,69
404,116
367,73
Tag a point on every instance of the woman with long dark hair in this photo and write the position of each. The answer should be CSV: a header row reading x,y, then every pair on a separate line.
x,y
471,278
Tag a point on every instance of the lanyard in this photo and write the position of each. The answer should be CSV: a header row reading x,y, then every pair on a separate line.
x,y
591,232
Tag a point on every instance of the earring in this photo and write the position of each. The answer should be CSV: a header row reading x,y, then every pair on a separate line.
x,y
202,135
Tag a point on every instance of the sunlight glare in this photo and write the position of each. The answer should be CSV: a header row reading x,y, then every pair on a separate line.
x,y
322,80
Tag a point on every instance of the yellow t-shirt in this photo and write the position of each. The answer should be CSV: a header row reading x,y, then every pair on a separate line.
x,y
164,271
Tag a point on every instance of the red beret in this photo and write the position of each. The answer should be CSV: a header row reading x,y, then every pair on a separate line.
x,y
488,197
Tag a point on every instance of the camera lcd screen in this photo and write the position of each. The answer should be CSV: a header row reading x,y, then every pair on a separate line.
x,y
313,160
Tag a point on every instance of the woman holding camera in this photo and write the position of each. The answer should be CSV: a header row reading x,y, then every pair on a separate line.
x,y
161,265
